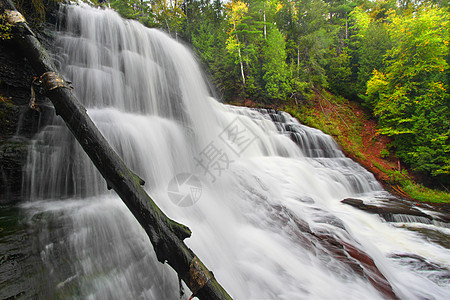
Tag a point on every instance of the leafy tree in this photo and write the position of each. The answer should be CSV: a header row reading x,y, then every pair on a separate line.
x,y
236,10
198,13
274,65
369,45
411,98
134,9
339,11
315,37
209,42
169,15
339,73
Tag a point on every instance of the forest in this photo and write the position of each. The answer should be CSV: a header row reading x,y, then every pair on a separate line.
x,y
390,56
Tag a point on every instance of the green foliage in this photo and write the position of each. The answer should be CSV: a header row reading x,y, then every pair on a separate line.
x,y
274,66
131,9
35,10
167,15
339,73
315,39
421,193
384,153
209,44
5,28
411,97
371,43
236,11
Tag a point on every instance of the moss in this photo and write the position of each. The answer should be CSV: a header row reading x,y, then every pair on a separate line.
x,y
180,230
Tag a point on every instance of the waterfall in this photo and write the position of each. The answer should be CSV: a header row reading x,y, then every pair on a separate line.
x,y
260,191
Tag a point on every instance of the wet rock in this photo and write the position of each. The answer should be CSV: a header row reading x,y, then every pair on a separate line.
x,y
433,271
18,123
9,118
18,259
324,243
387,211
12,159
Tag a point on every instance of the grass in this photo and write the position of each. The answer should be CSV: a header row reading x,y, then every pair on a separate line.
x,y
335,117
415,190
421,193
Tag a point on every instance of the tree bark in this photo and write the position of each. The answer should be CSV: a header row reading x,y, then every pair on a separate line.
x,y
240,56
165,234
265,25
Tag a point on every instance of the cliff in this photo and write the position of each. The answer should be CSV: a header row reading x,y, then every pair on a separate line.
x,y
18,123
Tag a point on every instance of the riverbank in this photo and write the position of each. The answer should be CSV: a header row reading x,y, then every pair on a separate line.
x,y
356,132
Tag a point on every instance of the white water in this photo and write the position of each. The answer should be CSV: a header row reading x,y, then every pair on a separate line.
x,y
147,95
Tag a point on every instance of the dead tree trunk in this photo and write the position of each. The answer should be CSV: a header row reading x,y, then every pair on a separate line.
x,y
165,234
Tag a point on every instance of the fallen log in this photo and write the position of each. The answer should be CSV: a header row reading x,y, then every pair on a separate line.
x,y
165,234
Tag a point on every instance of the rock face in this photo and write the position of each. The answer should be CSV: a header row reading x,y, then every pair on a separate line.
x,y
18,123
12,159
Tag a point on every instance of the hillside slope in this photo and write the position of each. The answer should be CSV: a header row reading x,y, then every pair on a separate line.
x,y
356,132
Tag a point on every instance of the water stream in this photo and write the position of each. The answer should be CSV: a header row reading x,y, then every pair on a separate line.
x,y
266,191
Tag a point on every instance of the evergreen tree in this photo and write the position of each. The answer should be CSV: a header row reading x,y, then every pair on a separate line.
x,y
369,45
274,66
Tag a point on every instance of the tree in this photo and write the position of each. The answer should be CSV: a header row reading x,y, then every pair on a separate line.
x,y
236,10
209,41
274,65
133,9
369,45
315,37
339,72
411,98
169,15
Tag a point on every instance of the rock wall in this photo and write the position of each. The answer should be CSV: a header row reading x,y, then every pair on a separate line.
x,y
18,123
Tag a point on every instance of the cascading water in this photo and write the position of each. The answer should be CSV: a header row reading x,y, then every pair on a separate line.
x,y
267,217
